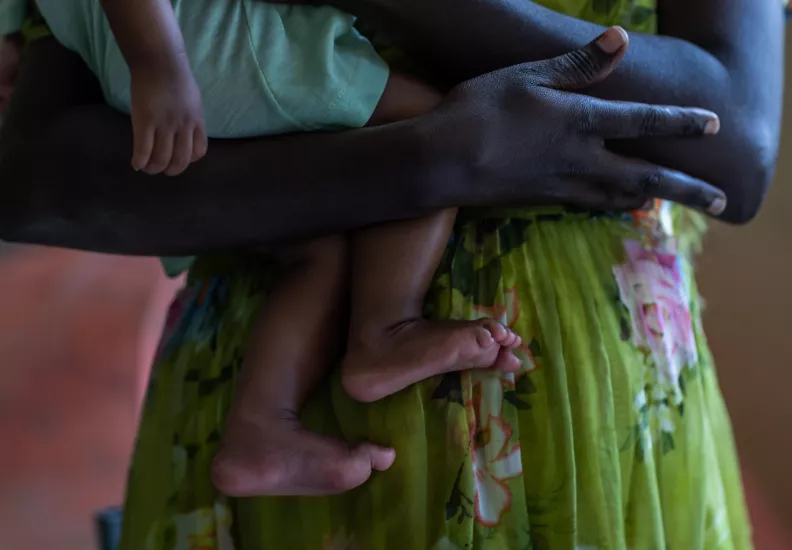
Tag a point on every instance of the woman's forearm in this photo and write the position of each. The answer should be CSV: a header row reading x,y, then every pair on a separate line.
x,y
65,179
315,184
723,55
508,137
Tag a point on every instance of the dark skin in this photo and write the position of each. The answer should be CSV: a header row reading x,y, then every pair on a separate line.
x,y
722,55
429,163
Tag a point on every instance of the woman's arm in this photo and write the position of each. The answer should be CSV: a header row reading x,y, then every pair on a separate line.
x,y
65,178
722,55
508,137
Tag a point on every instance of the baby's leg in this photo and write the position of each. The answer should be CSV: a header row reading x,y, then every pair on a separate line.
x,y
391,346
265,450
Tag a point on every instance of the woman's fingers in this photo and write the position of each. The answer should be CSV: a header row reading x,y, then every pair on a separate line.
x,y
624,120
588,195
582,67
644,179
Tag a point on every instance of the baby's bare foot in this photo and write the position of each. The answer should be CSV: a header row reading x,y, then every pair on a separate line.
x,y
276,456
421,349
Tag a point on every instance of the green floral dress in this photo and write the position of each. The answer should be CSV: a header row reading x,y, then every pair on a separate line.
x,y
614,434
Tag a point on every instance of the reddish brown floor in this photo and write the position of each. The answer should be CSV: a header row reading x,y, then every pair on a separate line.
x,y
76,335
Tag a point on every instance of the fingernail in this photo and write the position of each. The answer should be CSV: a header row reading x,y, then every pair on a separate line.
x,y
712,126
612,40
717,206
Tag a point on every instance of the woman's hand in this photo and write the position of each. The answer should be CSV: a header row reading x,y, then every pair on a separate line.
x,y
704,55
531,141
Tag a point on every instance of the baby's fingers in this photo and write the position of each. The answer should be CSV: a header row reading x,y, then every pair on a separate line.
x,y
144,144
200,143
162,152
182,153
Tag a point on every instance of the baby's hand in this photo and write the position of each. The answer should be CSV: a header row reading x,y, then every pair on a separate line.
x,y
167,119
9,65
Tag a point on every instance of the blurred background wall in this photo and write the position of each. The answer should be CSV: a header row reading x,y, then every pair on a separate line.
x,y
745,275
77,332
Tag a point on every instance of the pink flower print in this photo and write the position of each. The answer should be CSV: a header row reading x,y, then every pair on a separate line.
x,y
495,459
653,291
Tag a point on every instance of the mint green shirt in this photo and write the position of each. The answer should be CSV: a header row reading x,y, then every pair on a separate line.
x,y
263,69
12,15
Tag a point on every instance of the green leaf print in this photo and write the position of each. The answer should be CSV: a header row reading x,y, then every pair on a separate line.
x,y
635,442
193,375
508,238
524,385
489,282
207,387
625,325
446,262
522,388
538,542
169,536
667,443
192,450
640,452
604,7
640,15
450,388
461,272
535,348
455,507
626,329
512,235
511,397
632,437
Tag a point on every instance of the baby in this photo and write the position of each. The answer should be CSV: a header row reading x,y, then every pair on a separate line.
x,y
261,69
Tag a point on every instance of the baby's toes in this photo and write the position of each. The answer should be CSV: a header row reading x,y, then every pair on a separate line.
x,y
496,329
507,361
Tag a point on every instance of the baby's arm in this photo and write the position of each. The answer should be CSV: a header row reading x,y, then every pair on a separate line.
x,y
167,114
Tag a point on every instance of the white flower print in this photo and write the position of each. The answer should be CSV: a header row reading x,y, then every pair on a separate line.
x,y
495,459
205,529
